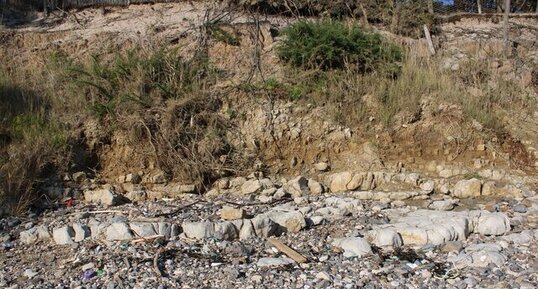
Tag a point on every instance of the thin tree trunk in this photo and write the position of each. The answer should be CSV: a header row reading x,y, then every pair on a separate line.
x,y
506,12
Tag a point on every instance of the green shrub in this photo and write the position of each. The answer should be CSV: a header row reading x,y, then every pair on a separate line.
x,y
337,45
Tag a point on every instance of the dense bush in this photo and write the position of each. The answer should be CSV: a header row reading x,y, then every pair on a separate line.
x,y
337,45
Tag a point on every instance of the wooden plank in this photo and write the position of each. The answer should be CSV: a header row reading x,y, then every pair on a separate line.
x,y
287,250
429,39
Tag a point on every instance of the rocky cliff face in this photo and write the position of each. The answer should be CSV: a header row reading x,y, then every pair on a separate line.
x,y
436,195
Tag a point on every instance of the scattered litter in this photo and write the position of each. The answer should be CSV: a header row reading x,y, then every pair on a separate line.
x,y
7,244
88,274
29,273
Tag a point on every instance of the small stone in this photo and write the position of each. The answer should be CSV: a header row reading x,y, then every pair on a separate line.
x,y
164,229
489,188
523,238
315,187
229,213
105,197
298,186
133,178
427,186
445,205
385,238
63,235
353,246
199,230
81,232
339,181
290,221
223,184
452,246
256,278
280,194
143,229
274,262
321,167
29,273
467,188
251,187
88,266
225,231
79,177
316,220
264,226
29,236
519,209
137,196
118,232
323,276
493,224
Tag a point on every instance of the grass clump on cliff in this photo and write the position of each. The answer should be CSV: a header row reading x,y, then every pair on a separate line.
x,y
31,144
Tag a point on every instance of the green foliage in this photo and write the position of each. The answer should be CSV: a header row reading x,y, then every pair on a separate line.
x,y
220,34
337,45
136,79
277,90
25,115
29,142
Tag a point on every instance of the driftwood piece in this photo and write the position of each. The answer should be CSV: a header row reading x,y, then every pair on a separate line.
x,y
297,257
429,40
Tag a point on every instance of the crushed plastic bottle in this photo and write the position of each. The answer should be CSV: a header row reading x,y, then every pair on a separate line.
x,y
88,274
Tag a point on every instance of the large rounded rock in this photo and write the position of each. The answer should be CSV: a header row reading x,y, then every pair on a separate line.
x,y
251,187
230,213
353,246
493,224
289,221
199,230
264,226
298,186
82,232
118,232
28,236
338,182
143,229
468,188
105,197
63,235
226,231
385,238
